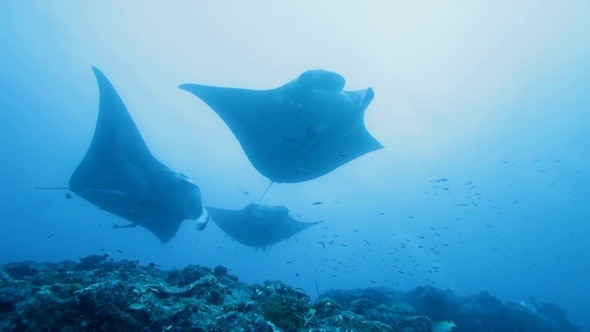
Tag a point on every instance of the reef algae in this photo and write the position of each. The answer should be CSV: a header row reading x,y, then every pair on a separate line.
x,y
100,294
288,308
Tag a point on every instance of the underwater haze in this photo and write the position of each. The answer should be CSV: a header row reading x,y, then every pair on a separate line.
x,y
483,109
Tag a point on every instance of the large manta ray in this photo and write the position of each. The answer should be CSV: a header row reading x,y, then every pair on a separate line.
x,y
299,131
258,225
120,175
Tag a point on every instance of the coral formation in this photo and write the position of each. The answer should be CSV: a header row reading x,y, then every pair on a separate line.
x,y
99,294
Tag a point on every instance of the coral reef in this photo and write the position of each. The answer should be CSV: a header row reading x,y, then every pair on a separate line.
x,y
484,312
481,312
99,294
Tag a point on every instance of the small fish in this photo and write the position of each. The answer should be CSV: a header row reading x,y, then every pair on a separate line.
x,y
367,242
50,236
381,213
341,155
68,196
464,204
246,193
316,203
410,217
120,251
290,262
323,244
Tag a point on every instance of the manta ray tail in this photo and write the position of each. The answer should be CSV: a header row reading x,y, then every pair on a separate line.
x,y
264,193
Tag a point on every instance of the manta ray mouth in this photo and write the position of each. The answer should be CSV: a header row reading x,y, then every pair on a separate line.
x,y
366,98
202,222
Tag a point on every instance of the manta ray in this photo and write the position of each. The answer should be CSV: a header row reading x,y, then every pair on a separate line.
x,y
120,175
258,225
299,131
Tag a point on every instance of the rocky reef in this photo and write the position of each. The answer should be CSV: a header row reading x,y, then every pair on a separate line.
x,y
99,294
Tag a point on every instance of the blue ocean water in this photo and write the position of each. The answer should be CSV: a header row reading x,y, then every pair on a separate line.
x,y
483,109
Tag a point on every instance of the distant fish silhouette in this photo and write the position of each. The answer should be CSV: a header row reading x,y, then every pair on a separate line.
x,y
299,131
258,225
120,175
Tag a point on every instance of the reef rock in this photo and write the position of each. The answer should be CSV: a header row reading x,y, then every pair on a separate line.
x,y
99,294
